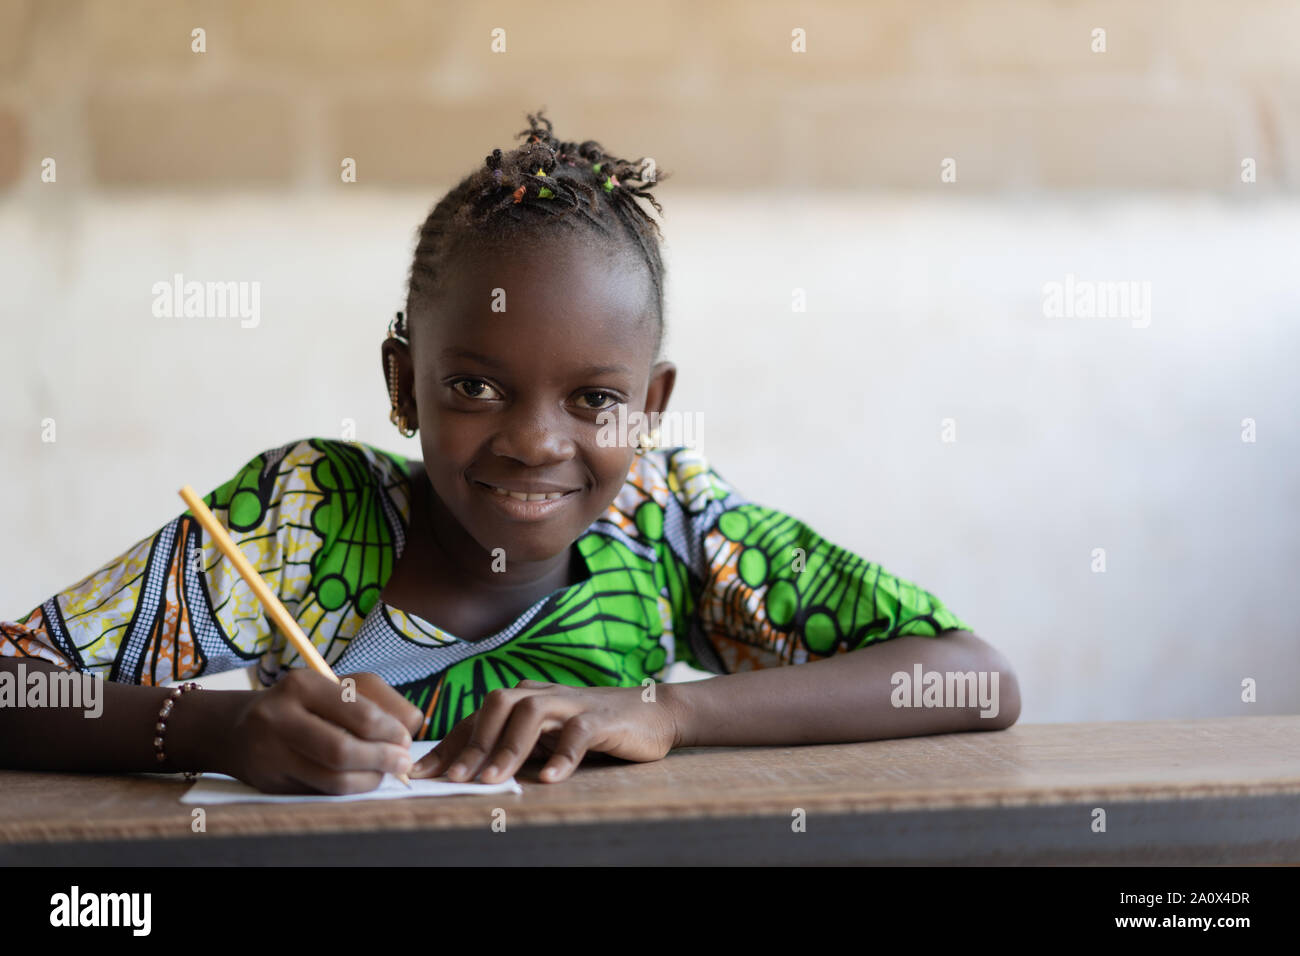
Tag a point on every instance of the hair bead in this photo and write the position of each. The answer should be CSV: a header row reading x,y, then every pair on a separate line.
x,y
501,187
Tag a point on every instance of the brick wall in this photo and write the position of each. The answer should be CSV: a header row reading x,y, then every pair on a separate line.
x,y
1010,89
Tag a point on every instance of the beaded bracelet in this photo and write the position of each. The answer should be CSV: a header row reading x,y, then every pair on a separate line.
x,y
161,725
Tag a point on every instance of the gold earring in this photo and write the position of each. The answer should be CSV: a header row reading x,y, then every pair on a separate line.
x,y
400,422
395,416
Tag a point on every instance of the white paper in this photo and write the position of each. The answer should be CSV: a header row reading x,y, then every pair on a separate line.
x,y
214,788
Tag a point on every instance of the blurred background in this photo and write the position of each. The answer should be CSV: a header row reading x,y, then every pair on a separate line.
x,y
921,172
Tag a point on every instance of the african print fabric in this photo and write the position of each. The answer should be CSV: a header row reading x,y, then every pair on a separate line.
x,y
682,568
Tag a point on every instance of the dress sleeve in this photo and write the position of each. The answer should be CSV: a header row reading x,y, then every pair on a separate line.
x,y
173,607
764,589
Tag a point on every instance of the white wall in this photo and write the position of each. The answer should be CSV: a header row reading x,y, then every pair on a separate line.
x,y
1072,434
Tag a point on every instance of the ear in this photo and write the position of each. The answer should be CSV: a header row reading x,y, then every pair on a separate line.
x,y
398,368
663,376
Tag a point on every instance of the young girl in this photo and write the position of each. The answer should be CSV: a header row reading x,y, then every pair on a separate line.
x,y
519,592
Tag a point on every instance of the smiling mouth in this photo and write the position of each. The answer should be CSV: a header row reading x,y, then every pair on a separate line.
x,y
520,496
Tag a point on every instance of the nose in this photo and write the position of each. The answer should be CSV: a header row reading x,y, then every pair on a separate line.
x,y
534,435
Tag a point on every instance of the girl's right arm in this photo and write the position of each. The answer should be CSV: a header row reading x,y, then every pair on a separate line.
x,y
173,608
301,735
111,728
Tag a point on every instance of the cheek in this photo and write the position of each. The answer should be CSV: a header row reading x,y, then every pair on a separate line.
x,y
610,466
447,438
435,450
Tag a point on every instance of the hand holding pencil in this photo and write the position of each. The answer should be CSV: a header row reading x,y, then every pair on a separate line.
x,y
311,699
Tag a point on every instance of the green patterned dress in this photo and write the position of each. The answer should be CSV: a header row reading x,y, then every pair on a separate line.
x,y
681,568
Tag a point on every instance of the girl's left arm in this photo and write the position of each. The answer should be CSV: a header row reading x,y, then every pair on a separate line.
x,y
900,687
904,687
813,642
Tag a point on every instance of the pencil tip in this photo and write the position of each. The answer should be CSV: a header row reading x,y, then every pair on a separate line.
x,y
405,780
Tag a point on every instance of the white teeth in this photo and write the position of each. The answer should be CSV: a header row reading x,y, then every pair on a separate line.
x,y
523,497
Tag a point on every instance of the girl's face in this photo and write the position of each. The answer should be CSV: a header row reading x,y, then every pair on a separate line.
x,y
507,373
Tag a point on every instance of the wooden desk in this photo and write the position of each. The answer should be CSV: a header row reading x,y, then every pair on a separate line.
x,y
1175,792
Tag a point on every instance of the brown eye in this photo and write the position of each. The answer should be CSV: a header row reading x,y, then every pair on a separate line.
x,y
612,400
475,388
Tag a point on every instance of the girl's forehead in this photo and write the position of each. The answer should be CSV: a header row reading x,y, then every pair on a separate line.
x,y
564,297
519,339
565,335
550,274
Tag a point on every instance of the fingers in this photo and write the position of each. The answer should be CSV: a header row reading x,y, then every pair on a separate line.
x,y
492,717
530,717
329,749
515,725
502,707
375,688
500,735
435,761
303,775
361,716
579,736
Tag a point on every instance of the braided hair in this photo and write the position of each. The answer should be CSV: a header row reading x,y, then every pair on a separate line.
x,y
546,179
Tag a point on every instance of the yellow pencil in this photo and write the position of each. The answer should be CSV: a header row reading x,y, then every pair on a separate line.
x,y
278,612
